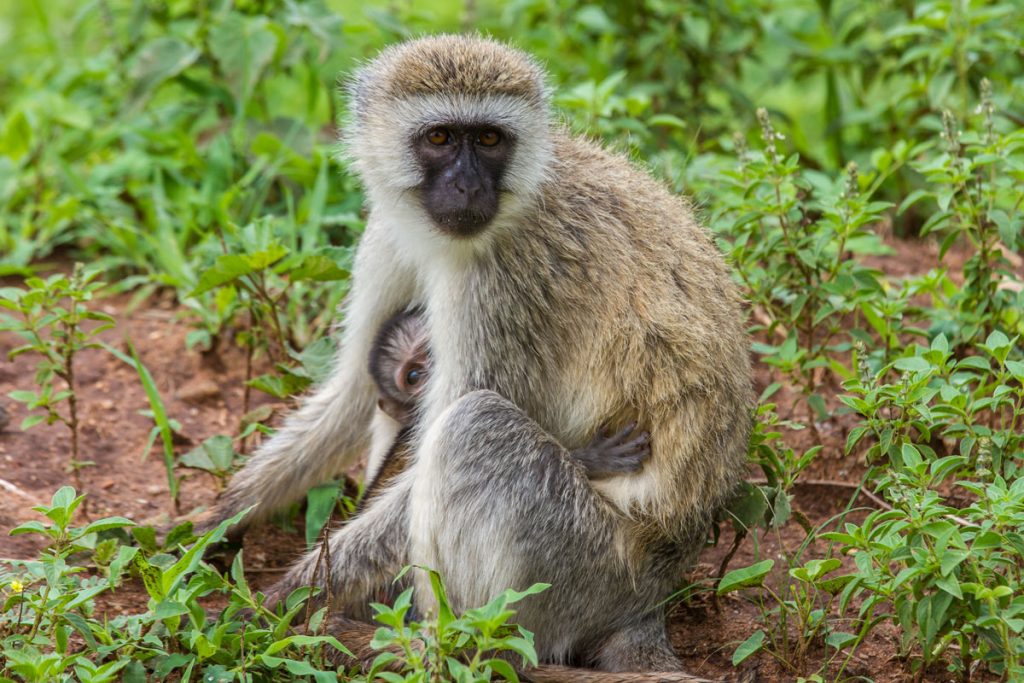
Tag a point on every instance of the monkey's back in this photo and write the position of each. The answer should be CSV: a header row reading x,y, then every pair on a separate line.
x,y
649,315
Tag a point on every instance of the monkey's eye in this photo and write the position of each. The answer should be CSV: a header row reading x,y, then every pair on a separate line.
x,y
414,376
489,138
438,136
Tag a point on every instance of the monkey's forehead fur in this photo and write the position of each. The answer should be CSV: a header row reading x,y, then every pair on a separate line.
x,y
451,65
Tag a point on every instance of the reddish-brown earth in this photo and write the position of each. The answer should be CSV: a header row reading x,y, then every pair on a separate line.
x,y
205,395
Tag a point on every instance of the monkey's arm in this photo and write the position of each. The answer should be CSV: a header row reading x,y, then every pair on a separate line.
x,y
330,428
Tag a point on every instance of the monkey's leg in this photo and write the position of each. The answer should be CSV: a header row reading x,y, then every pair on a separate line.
x,y
320,439
362,556
497,503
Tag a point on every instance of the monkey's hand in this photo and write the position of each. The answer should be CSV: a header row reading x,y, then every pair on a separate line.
x,y
608,455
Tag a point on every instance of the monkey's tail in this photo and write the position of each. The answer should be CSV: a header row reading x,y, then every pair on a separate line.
x,y
356,636
549,673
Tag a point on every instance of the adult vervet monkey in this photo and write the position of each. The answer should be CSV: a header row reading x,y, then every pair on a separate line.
x,y
563,290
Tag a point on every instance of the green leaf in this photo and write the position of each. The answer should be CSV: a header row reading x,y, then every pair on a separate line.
x,y
502,668
158,61
64,498
156,404
31,421
320,503
445,616
231,267
29,397
782,510
667,121
107,523
16,137
317,268
145,536
745,577
32,527
951,559
282,385
950,585
79,624
839,639
911,456
748,506
510,596
191,558
913,364
748,647
298,668
1016,369
216,454
306,641
225,269
244,47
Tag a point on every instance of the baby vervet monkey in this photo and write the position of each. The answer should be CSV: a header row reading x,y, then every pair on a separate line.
x,y
400,366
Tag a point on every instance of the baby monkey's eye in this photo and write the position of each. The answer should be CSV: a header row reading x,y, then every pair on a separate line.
x,y
414,376
489,138
438,136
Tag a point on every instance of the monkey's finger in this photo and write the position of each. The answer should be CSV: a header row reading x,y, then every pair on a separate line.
x,y
621,435
640,445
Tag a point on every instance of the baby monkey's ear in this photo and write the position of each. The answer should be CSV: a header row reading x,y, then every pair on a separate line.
x,y
400,412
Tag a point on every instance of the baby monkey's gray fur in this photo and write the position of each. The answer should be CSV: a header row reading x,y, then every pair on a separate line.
x,y
400,367
563,290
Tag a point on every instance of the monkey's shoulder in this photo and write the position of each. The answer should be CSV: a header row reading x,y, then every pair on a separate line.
x,y
603,194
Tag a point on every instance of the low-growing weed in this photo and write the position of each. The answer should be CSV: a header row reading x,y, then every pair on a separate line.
x,y
975,184
946,557
466,648
56,322
51,630
791,233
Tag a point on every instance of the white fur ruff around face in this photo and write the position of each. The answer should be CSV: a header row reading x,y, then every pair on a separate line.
x,y
379,144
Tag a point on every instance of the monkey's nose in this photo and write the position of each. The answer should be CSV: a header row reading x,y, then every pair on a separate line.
x,y
468,189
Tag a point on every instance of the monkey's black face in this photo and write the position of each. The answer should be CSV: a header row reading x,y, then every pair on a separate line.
x,y
463,166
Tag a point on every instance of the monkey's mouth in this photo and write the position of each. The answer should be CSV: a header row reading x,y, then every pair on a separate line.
x,y
462,222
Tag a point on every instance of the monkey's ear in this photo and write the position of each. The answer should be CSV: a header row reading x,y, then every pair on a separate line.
x,y
398,412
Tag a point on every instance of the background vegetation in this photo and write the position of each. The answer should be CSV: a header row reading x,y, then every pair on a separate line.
x,y
190,146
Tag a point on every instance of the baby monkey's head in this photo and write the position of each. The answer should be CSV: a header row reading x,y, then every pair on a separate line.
x,y
399,364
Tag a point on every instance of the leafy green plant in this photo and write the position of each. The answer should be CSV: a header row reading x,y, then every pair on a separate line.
x,y
178,124
797,619
948,569
790,233
215,455
768,505
258,274
49,600
465,648
56,323
976,185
